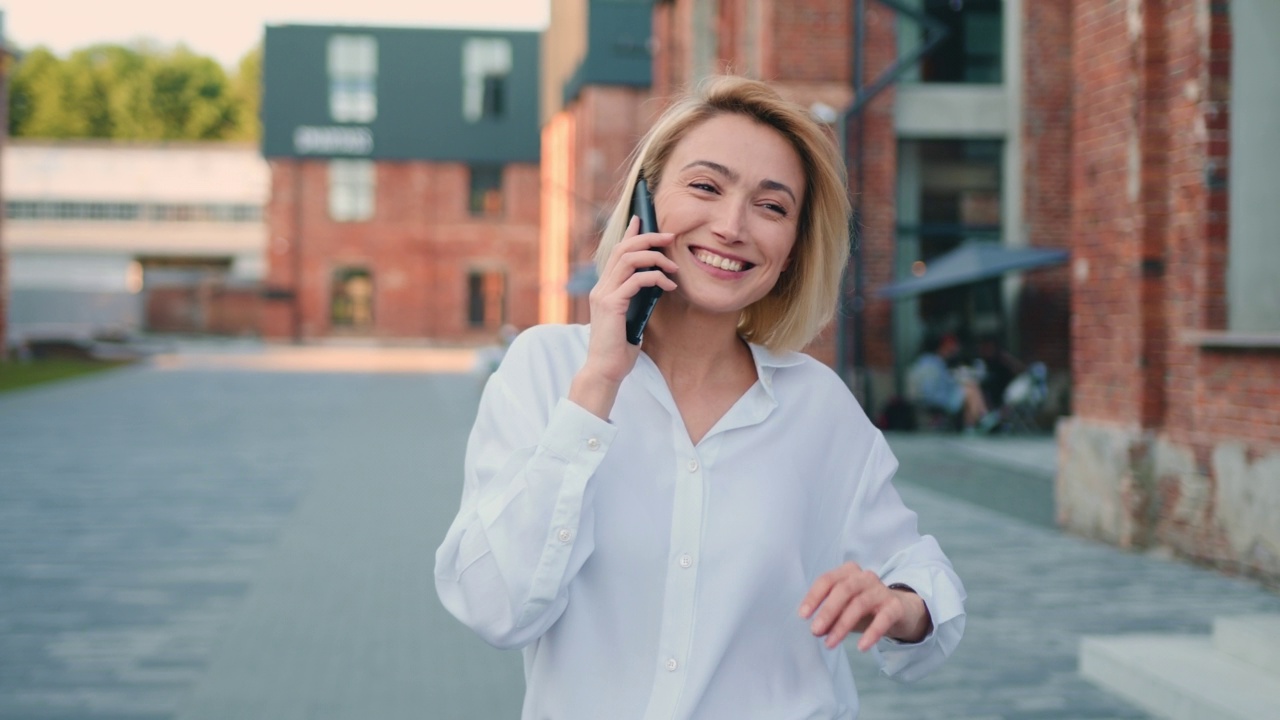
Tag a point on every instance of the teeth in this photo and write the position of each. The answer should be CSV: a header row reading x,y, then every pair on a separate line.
x,y
714,260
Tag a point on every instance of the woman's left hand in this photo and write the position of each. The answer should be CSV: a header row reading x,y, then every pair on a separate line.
x,y
850,599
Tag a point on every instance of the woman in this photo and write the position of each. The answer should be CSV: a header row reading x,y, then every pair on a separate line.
x,y
690,528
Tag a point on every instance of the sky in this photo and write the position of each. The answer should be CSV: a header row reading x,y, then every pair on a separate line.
x,y
227,29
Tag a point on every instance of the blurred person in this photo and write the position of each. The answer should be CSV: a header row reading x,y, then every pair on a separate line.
x,y
999,368
936,386
690,528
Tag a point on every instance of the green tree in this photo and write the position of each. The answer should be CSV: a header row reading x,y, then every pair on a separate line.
x,y
246,88
138,92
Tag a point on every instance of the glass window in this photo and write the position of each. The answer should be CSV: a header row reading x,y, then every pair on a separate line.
x,y
351,190
949,193
486,298
973,49
351,299
486,190
353,76
486,62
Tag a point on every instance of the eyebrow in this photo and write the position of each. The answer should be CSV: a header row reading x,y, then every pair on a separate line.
x,y
733,176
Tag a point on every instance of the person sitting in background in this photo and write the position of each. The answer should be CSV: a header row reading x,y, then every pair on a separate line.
x,y
932,384
999,368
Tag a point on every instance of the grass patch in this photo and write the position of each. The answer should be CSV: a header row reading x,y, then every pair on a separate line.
x,y
15,374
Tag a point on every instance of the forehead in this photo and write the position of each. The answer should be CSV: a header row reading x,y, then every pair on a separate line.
x,y
748,147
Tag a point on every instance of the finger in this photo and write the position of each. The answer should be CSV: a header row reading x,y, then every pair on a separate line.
x,y
627,267
877,629
822,586
645,278
649,242
854,614
817,593
832,607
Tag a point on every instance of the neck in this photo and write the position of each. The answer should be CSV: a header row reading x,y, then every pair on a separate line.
x,y
693,349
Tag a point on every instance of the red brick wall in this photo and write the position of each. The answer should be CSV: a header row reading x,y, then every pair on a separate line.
x,y
1150,201
1106,222
1044,312
1154,90
810,41
420,245
878,196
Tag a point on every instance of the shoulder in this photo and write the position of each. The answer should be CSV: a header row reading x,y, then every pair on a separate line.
x,y
545,353
805,373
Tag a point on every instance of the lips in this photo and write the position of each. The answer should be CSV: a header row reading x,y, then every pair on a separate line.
x,y
719,261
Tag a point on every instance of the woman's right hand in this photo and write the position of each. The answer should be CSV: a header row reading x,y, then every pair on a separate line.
x,y
610,357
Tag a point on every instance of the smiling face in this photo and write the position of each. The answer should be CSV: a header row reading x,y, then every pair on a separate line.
x,y
732,192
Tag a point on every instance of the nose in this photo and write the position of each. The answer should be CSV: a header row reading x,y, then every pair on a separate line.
x,y
730,219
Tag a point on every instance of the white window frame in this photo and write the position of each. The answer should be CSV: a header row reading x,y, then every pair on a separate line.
x,y
352,189
482,58
353,78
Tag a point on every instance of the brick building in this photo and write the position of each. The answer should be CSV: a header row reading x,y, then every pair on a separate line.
x,y
971,144
1175,440
404,182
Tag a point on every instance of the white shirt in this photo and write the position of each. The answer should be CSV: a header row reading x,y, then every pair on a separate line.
x,y
648,577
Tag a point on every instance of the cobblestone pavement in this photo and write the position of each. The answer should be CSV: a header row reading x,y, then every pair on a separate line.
x,y
204,542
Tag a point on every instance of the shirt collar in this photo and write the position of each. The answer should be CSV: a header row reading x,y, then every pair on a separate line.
x,y
767,361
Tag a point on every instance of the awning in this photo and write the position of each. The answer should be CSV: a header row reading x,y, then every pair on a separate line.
x,y
971,263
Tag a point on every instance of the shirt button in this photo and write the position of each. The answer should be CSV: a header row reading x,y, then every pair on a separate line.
x,y
672,664
565,535
686,561
693,466
594,444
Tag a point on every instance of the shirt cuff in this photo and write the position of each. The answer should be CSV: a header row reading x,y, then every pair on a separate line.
x,y
573,430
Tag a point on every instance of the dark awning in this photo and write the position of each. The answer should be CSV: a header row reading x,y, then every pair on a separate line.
x,y
970,263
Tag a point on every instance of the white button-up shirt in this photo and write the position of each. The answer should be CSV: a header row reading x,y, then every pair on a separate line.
x,y
648,577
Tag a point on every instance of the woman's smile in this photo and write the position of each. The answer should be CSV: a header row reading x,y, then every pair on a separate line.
x,y
727,265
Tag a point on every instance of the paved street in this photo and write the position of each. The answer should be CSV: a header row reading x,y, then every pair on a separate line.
x,y
201,539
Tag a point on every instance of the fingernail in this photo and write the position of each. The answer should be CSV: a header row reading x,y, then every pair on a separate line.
x,y
804,611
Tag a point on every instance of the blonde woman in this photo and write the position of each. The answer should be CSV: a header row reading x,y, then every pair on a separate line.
x,y
690,528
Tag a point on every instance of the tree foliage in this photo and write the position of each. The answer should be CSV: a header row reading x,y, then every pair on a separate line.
x,y
134,92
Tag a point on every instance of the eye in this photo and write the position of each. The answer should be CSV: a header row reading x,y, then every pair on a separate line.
x,y
703,186
775,207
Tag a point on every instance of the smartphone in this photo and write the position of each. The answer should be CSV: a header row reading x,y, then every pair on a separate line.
x,y
641,306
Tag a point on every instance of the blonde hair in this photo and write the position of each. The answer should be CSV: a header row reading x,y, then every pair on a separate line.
x,y
804,299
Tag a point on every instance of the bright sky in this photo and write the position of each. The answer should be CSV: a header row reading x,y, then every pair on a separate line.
x,y
227,29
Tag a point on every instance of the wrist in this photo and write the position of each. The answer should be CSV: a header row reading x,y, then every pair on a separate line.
x,y
916,624
594,392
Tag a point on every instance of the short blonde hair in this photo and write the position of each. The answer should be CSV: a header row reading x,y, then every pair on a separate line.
x,y
805,297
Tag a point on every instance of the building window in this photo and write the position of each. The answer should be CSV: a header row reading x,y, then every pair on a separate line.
x,y
486,190
351,302
949,193
973,49
486,299
353,78
351,190
1252,169
46,210
486,63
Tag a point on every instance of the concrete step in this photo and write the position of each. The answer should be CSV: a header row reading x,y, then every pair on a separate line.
x,y
1180,677
1254,639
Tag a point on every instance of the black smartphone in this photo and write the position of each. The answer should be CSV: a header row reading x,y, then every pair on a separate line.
x,y
642,302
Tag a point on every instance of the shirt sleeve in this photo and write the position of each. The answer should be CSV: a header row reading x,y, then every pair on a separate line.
x,y
881,534
524,527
